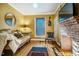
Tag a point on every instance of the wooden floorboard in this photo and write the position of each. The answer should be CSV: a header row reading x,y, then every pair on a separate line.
x,y
27,47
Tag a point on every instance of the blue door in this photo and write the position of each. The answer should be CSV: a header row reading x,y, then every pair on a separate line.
x,y
40,26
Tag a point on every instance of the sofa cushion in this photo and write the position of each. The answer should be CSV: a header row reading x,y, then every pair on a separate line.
x,y
18,35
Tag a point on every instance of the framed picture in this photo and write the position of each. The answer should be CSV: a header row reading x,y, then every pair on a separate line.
x,y
49,22
10,19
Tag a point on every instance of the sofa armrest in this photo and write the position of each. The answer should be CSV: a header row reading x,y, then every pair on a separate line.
x,y
3,43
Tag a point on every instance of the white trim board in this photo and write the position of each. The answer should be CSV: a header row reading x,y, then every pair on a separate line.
x,y
37,39
35,27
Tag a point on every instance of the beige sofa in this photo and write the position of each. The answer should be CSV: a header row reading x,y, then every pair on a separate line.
x,y
15,42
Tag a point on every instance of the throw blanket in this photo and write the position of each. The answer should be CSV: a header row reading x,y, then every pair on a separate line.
x,y
14,44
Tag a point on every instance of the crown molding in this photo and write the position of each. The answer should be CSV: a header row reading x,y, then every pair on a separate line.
x,y
15,8
41,13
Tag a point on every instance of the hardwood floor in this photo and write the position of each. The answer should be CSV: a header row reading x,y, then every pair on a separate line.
x,y
66,53
27,47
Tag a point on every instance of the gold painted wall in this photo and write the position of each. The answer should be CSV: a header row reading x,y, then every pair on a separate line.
x,y
21,19
5,8
32,18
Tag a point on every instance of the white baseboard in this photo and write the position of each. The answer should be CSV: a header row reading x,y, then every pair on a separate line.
x,y
37,39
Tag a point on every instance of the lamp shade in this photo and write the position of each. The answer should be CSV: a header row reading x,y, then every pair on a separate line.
x,y
25,30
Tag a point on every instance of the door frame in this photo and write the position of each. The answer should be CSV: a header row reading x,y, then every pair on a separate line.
x,y
35,27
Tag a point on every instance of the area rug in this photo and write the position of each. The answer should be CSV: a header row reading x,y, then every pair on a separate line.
x,y
38,51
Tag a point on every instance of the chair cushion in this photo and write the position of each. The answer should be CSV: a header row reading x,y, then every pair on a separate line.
x,y
50,34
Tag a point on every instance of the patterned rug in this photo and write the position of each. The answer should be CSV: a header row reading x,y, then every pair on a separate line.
x,y
38,51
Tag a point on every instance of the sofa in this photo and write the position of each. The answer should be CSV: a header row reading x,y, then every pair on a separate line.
x,y
3,42
15,42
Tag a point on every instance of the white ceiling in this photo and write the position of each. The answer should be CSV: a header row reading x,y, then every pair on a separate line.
x,y
42,8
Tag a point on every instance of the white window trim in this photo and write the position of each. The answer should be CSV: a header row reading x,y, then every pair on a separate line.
x,y
35,27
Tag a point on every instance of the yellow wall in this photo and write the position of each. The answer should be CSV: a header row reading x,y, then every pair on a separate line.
x,y
32,18
20,19
5,8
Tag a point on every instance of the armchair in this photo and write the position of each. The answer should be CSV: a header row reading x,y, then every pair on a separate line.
x,y
50,36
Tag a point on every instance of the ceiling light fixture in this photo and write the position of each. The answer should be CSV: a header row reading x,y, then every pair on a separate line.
x,y
35,5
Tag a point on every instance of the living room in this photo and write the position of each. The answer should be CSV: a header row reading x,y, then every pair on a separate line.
x,y
34,29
